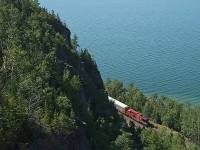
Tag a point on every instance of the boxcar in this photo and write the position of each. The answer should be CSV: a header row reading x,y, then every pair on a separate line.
x,y
121,107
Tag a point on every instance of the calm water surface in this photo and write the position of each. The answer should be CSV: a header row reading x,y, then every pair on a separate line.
x,y
153,43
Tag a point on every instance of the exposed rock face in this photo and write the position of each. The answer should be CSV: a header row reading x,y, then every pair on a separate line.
x,y
78,140
62,30
47,96
77,67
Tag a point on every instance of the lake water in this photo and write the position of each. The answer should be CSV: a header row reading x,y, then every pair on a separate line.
x,y
153,43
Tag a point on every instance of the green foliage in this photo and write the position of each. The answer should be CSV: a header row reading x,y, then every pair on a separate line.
x,y
45,84
131,95
123,142
63,105
165,111
37,93
89,62
162,110
103,121
75,42
91,68
190,124
61,124
71,86
136,97
15,124
161,140
115,88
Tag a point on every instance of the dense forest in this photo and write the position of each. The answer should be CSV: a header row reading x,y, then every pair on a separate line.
x,y
52,95
179,117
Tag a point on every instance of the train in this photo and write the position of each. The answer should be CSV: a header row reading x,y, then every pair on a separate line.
x,y
131,113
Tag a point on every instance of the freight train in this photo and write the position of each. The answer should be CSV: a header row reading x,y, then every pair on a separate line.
x,y
131,113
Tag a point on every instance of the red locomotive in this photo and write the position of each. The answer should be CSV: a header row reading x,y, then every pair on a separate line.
x,y
123,108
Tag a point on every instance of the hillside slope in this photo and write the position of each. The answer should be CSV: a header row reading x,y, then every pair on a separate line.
x,y
52,96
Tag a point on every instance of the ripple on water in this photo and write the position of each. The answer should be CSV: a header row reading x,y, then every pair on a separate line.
x,y
153,43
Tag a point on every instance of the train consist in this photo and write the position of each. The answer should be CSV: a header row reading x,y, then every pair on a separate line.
x,y
124,109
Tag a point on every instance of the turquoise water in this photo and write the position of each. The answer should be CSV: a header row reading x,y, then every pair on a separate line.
x,y
153,43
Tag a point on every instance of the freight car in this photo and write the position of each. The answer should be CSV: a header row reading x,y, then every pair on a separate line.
x,y
121,107
133,114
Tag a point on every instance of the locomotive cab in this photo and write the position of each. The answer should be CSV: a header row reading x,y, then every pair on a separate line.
x,y
131,113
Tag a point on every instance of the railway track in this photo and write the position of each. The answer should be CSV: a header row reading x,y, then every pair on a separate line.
x,y
132,122
129,113
153,126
